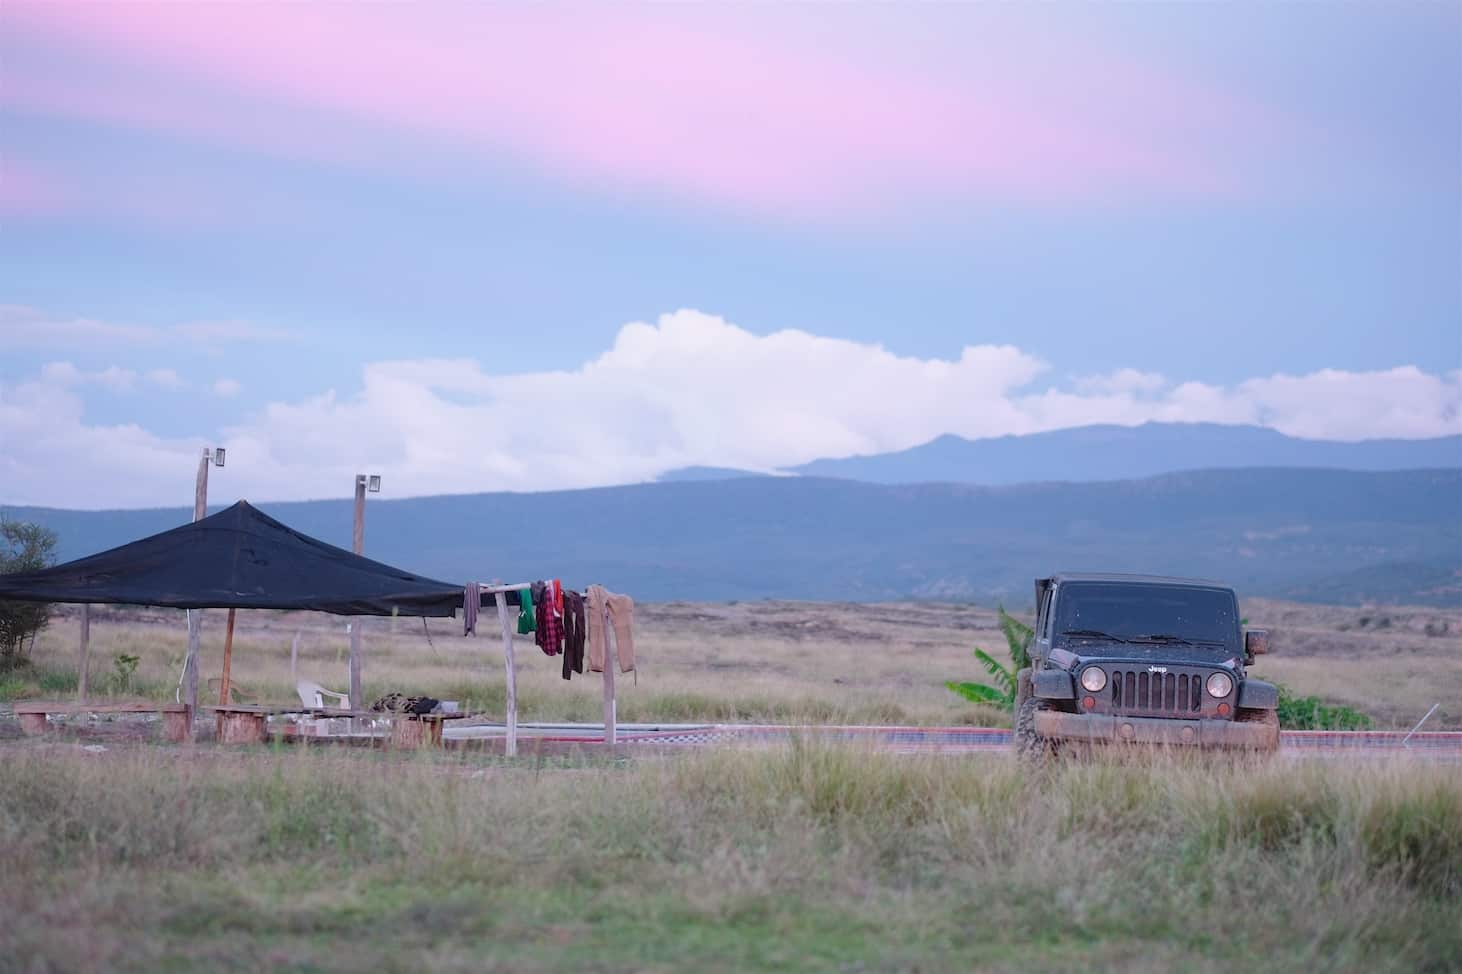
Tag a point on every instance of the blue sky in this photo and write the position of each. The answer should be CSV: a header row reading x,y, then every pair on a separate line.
x,y
419,237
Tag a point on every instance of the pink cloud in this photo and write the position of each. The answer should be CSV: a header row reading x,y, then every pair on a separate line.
x,y
26,189
645,99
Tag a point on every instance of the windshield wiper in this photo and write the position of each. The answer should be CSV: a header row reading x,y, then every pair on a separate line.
x,y
1167,637
1093,634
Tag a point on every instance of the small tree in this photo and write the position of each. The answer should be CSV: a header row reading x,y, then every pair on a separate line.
x,y
24,547
1002,692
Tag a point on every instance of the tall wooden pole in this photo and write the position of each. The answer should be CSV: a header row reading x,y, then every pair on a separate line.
x,y
82,680
510,747
358,546
611,711
195,617
228,658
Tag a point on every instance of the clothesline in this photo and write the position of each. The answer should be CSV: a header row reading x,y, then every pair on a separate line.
x,y
597,620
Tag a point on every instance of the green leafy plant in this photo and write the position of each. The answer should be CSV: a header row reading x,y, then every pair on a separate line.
x,y
1000,692
125,666
1312,713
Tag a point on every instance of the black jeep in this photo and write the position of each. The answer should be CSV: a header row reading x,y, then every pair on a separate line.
x,y
1120,658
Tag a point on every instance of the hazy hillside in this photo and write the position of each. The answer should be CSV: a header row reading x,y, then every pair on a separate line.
x,y
1322,535
1091,453
686,474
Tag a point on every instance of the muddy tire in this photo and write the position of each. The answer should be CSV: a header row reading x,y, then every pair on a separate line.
x,y
1022,688
1269,719
1030,747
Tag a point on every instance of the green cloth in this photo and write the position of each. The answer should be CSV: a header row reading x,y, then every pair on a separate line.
x,y
527,622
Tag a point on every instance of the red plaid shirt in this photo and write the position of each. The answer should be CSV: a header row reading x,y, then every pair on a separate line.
x,y
550,626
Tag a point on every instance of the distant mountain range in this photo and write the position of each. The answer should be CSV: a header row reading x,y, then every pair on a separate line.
x,y
1090,453
1322,535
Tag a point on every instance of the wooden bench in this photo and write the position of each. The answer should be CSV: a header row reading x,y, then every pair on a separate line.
x,y
35,714
240,723
247,724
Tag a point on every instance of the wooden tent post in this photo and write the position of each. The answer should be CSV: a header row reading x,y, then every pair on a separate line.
x,y
611,732
510,747
82,680
195,616
228,658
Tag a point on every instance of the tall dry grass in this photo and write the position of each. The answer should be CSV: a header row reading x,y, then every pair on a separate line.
x,y
808,857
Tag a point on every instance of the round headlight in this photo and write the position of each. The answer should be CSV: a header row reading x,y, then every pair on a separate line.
x,y
1093,679
1220,685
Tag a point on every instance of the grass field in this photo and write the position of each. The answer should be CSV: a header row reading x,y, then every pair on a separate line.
x,y
813,857
807,858
761,661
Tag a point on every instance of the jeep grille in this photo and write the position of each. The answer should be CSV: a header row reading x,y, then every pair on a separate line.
x,y
1143,692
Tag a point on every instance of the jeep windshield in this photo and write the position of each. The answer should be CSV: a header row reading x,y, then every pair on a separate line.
x,y
1124,619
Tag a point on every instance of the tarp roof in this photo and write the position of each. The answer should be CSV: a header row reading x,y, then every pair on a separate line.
x,y
239,558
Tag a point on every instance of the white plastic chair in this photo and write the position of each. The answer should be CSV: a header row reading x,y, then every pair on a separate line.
x,y
313,695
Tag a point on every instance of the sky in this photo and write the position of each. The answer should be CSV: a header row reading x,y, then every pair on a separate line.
x,y
476,246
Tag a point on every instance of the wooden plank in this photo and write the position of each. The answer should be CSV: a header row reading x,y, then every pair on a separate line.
x,y
511,746
83,674
73,707
255,709
373,714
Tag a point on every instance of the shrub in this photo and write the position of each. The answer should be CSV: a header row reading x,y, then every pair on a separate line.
x,y
24,547
1312,713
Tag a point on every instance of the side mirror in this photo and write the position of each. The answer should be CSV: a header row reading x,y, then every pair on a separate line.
x,y
1256,643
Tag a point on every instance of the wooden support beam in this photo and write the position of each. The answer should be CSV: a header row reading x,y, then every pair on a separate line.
x,y
83,675
357,544
228,658
510,748
611,663
195,616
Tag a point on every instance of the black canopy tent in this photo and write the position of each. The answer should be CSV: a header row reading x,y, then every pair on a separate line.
x,y
239,558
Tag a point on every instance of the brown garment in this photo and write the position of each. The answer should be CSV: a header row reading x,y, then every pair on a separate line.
x,y
596,626
620,613
573,633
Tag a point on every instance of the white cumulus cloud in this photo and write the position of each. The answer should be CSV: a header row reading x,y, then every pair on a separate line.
x,y
689,389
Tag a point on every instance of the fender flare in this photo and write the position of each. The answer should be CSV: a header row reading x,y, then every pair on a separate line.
x,y
1052,685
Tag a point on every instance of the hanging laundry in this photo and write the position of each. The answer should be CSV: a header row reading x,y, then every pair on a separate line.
x,y
573,634
595,596
471,600
550,626
527,621
622,616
